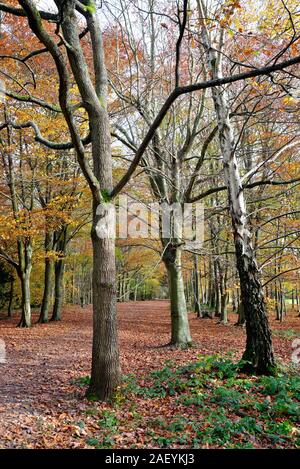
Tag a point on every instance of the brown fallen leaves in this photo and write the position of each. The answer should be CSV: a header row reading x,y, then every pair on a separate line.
x,y
41,407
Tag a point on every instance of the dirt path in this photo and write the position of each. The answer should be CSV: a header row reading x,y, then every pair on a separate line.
x,y
37,396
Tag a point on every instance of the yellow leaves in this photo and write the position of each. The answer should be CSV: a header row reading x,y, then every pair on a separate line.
x,y
289,100
228,13
59,210
223,23
259,86
270,303
5,237
236,4
42,255
22,224
294,49
193,43
10,148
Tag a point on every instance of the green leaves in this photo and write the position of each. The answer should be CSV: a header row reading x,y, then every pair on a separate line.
x,y
90,7
82,381
105,193
213,405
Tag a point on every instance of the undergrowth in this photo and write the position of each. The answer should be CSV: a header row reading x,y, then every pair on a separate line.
x,y
213,405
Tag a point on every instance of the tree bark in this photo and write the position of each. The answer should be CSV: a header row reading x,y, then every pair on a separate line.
x,y
241,315
105,373
196,288
298,302
11,297
47,280
26,309
180,330
58,290
24,271
93,91
217,311
223,301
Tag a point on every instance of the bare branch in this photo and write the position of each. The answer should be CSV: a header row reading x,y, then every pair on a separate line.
x,y
181,90
266,182
281,273
52,17
39,138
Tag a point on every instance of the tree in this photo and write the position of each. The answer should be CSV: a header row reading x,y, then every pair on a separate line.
x,y
259,352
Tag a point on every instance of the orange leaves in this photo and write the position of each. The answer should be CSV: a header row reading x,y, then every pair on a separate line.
x,y
223,23
248,51
235,4
228,10
294,49
21,225
288,100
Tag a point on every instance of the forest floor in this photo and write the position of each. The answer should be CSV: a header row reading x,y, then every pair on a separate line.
x,y
169,398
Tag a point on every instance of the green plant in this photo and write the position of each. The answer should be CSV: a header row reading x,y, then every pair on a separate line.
x,y
225,396
109,420
106,443
82,381
287,333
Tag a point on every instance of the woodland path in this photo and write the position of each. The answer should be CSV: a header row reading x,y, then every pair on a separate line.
x,y
37,394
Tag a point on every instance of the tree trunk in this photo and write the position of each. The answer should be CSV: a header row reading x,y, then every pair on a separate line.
x,y
241,315
277,303
223,299
135,292
93,91
47,280
196,289
11,297
217,312
180,330
223,291
234,301
25,266
224,315
105,374
259,351
26,309
223,277
298,302
58,290
211,287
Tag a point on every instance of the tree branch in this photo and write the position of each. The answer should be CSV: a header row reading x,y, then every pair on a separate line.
x,y
8,259
246,186
281,273
53,17
181,90
39,138
35,23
